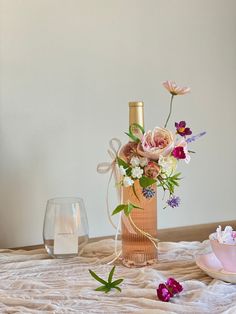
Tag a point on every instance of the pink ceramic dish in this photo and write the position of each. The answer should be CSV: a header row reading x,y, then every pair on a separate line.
x,y
226,253
212,266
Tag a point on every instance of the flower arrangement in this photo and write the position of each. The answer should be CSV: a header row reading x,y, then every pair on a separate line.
x,y
227,236
151,157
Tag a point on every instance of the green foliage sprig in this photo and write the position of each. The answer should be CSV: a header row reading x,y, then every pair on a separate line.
x,y
131,134
169,182
127,208
109,284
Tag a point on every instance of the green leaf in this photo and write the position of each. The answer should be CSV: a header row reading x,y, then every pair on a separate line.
x,y
118,209
131,134
95,276
135,206
117,282
111,274
126,210
134,190
108,289
101,288
129,171
129,209
145,181
176,176
121,162
134,138
136,125
107,286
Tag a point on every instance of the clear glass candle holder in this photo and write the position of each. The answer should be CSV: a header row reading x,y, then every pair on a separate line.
x,y
65,230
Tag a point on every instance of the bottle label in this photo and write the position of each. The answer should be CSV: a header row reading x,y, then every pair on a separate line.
x,y
65,233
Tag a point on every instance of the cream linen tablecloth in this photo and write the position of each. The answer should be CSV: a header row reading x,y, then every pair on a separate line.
x,y
31,282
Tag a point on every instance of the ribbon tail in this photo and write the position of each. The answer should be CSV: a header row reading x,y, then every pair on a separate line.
x,y
107,200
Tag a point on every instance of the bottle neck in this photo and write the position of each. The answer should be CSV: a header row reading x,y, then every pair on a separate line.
x,y
136,113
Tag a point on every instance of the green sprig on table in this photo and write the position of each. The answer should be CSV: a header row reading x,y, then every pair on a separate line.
x,y
109,284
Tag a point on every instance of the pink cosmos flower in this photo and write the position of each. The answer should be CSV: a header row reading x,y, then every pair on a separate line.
x,y
152,170
154,143
181,129
181,152
174,89
163,293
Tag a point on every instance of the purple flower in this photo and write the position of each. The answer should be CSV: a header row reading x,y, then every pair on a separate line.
x,y
195,137
148,192
173,201
181,129
163,293
174,286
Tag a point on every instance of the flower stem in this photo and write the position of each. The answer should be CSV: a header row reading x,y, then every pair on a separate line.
x,y
168,118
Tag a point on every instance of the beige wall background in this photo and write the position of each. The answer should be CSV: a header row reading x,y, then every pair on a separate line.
x,y
68,70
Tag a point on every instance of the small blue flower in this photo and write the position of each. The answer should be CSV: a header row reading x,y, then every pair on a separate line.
x,y
173,201
148,192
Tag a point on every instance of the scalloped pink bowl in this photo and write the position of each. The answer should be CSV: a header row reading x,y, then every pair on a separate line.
x,y
226,254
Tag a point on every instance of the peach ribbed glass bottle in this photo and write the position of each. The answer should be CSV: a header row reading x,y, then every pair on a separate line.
x,y
138,250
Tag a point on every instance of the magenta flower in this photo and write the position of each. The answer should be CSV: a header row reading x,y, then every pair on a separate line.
x,y
163,293
178,152
174,286
167,290
181,129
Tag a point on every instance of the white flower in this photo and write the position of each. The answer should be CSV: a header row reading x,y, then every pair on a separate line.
x,y
227,235
127,181
143,161
122,171
218,234
137,172
134,161
168,164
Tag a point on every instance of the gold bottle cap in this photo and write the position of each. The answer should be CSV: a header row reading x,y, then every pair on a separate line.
x,y
136,113
136,104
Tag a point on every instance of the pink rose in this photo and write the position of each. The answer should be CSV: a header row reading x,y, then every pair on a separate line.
x,y
154,143
152,170
129,150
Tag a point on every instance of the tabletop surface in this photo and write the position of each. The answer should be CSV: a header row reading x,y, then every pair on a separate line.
x,y
31,282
